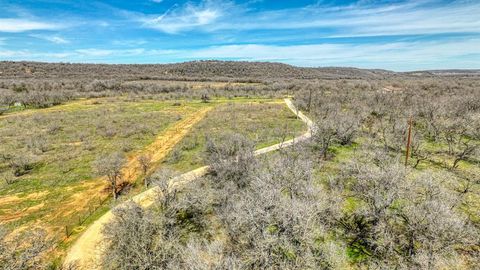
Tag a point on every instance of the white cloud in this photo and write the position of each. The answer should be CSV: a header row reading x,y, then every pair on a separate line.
x,y
92,52
129,42
396,55
443,54
16,55
360,19
22,25
54,39
363,20
58,40
188,17
95,52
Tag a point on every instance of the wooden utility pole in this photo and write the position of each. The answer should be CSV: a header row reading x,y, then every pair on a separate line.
x,y
310,98
409,140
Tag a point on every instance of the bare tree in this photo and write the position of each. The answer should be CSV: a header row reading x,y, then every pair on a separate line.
x,y
145,162
22,163
8,177
324,134
110,166
347,124
163,179
205,97
393,133
418,149
231,158
135,240
153,238
465,151
431,228
420,232
23,252
271,222
453,131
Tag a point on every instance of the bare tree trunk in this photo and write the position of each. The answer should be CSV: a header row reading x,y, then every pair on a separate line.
x,y
114,188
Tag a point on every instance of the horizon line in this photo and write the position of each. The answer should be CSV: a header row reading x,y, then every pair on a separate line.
x,y
235,61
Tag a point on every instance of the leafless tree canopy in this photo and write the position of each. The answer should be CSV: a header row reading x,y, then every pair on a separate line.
x,y
23,251
347,198
111,165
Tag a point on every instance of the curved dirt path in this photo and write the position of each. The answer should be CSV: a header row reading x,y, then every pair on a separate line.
x,y
86,251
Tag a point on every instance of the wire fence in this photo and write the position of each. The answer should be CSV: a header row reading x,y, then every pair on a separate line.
x,y
82,217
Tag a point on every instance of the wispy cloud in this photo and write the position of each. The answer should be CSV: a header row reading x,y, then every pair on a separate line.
x,y
129,42
402,34
360,19
395,55
16,25
52,38
34,55
415,17
103,53
187,17
95,52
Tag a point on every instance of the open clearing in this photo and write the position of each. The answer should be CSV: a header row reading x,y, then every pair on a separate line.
x,y
58,189
86,251
259,122
62,144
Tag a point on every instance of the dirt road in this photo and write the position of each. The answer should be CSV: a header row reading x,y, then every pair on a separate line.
x,y
93,189
86,252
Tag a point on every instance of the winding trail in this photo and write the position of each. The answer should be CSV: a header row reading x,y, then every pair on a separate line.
x,y
86,251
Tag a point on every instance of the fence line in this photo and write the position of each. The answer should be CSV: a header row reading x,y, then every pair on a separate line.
x,y
82,217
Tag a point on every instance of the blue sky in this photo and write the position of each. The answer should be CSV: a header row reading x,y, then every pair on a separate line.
x,y
388,34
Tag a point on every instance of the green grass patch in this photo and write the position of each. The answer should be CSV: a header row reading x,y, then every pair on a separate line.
x,y
264,123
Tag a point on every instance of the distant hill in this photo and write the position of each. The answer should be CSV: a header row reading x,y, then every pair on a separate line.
x,y
446,72
205,70
197,70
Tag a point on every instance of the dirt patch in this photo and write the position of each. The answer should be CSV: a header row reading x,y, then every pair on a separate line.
x,y
19,214
18,198
92,191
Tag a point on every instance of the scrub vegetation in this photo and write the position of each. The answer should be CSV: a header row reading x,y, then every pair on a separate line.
x,y
347,198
